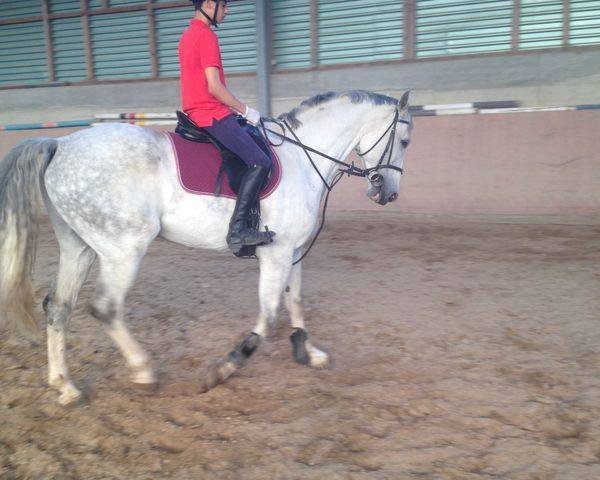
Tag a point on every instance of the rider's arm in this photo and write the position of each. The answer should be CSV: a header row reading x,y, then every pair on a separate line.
x,y
220,92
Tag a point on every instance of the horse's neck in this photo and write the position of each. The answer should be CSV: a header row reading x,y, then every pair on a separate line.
x,y
334,131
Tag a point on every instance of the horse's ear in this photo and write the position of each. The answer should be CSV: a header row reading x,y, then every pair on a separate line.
x,y
404,100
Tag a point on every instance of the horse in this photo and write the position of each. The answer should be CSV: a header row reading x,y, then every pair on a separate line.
x,y
110,190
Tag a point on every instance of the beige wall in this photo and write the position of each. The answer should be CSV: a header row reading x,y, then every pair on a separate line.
x,y
520,163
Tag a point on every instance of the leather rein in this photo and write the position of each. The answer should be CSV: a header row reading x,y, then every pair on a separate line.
x,y
350,169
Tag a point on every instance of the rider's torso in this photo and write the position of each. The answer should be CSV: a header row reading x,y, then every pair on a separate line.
x,y
199,49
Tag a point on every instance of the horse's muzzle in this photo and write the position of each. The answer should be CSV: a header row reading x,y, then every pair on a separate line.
x,y
378,196
375,194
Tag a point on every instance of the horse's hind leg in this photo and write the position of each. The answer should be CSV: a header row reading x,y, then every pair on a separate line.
x,y
76,258
117,274
304,352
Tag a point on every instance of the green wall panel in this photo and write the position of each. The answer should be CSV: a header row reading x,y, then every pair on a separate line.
x,y
120,45
541,24
291,33
458,27
67,49
120,3
94,4
376,36
237,37
23,54
62,6
15,9
170,22
584,24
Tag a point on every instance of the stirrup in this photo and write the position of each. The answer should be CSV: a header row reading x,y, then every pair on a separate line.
x,y
236,242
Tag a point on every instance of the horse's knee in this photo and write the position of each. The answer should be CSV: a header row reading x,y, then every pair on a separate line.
x,y
104,311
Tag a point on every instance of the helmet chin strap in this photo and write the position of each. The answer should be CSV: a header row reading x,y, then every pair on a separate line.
x,y
213,21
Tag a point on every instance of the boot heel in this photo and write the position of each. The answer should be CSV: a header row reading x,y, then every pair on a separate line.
x,y
235,245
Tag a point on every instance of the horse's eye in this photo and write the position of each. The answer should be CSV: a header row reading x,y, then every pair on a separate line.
x,y
404,143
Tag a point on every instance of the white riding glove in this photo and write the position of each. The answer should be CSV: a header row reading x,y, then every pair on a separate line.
x,y
253,116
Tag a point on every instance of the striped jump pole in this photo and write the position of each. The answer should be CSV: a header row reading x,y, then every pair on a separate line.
x,y
141,123
35,126
507,106
134,116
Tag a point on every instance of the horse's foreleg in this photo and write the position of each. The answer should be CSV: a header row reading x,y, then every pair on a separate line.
x,y
275,267
304,352
116,277
76,259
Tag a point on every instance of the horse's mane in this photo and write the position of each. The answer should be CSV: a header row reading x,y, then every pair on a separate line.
x,y
355,96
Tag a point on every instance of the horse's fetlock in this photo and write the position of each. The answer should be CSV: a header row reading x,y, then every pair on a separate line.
x,y
47,300
298,339
141,361
249,345
57,381
57,314
104,313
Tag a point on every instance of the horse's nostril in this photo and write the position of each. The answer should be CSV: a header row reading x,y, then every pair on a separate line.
x,y
392,197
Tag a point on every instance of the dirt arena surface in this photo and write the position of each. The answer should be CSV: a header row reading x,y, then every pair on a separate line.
x,y
462,349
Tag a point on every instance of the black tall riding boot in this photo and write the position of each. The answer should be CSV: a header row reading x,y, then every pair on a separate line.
x,y
240,234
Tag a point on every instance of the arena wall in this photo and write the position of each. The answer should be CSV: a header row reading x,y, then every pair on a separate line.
x,y
516,164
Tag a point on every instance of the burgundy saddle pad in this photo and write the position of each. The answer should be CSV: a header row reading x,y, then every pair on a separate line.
x,y
198,166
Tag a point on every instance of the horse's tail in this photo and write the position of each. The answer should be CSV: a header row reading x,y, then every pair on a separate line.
x,y
21,176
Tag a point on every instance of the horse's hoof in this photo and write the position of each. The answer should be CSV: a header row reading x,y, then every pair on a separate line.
x,y
147,388
318,358
143,375
70,397
218,374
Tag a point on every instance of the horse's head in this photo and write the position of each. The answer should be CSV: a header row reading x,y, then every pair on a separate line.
x,y
382,147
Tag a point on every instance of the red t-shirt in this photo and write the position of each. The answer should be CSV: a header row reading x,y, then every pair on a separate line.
x,y
199,49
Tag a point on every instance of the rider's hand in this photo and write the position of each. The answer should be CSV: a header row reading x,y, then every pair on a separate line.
x,y
253,116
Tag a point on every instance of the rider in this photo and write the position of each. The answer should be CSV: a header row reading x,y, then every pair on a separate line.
x,y
208,102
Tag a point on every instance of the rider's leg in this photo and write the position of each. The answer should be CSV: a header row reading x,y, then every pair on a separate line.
x,y
228,132
240,233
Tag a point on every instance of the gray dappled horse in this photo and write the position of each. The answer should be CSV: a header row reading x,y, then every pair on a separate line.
x,y
110,190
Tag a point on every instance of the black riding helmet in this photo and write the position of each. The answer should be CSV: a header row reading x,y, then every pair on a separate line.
x,y
213,20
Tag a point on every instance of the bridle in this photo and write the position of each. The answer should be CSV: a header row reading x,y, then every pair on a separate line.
x,y
372,173
350,169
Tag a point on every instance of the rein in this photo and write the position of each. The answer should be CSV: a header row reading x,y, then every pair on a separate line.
x,y
351,170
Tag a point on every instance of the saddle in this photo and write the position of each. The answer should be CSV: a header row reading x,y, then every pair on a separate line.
x,y
232,165
190,156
